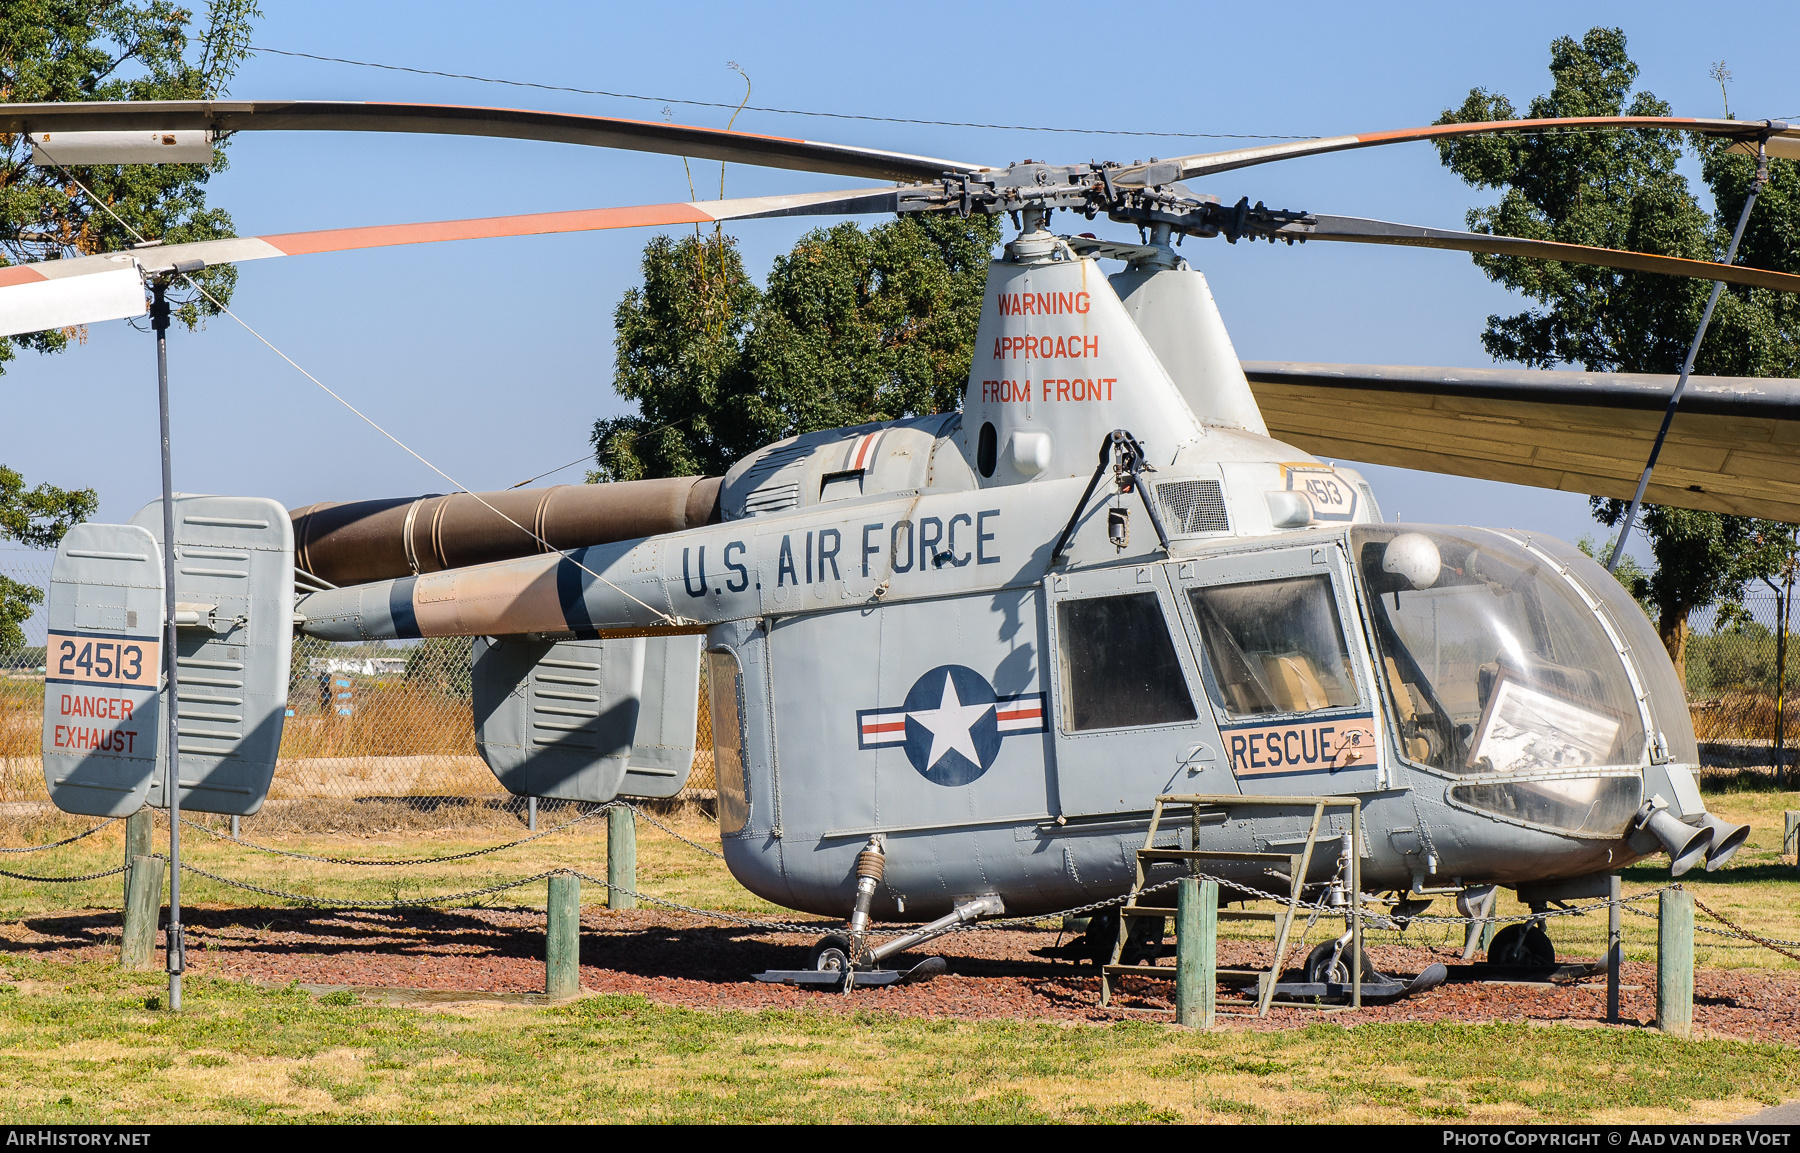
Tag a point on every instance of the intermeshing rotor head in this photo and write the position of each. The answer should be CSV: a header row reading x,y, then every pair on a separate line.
x,y
1161,205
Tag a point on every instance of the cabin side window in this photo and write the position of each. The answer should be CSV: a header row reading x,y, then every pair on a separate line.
x,y
1275,647
725,692
1119,664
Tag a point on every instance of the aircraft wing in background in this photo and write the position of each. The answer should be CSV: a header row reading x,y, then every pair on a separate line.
x,y
1734,447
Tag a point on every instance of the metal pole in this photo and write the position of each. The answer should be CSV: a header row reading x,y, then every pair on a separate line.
x,y
159,323
531,818
1615,947
1687,366
1786,604
1356,913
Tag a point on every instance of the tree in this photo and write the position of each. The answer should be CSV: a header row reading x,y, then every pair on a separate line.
x,y
679,342
866,326
38,518
854,326
54,50
1621,190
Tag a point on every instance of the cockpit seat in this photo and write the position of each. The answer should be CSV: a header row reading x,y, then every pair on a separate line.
x,y
1294,681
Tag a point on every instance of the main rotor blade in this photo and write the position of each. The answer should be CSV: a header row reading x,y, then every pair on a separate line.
x,y
225,116
1783,142
38,296
1358,230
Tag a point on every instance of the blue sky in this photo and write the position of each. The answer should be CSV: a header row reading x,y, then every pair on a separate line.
x,y
493,358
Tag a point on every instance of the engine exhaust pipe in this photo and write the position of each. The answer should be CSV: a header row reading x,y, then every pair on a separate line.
x,y
1685,844
357,542
1727,839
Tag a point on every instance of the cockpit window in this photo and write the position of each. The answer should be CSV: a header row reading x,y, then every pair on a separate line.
x,y
1275,646
1492,662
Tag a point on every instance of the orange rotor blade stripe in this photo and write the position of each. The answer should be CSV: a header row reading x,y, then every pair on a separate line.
x,y
581,220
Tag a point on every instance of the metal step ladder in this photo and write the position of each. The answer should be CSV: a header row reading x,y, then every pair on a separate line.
x,y
1297,865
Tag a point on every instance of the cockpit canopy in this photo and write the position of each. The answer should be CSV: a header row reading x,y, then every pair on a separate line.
x,y
1503,661
1494,662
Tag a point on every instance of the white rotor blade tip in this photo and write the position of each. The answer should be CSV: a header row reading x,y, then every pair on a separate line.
x,y
71,300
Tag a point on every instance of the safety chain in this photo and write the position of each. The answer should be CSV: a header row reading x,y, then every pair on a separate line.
x,y
214,833
60,844
1745,933
1078,910
65,880
1571,911
772,926
1736,930
1321,907
694,844
440,899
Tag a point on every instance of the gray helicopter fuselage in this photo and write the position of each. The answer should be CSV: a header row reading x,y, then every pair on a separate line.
x,y
893,650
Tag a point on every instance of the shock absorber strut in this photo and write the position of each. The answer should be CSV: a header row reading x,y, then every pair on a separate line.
x,y
870,864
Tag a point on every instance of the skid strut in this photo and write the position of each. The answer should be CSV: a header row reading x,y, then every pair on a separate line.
x,y
847,960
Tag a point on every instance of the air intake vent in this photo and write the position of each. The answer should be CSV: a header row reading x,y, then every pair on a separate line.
x,y
1368,495
1191,507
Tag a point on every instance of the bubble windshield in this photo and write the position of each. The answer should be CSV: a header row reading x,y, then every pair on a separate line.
x,y
1493,663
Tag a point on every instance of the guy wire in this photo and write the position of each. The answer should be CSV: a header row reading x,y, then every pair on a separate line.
x,y
198,287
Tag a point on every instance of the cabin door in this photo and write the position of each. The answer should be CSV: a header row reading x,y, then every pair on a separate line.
x,y
1285,672
1128,708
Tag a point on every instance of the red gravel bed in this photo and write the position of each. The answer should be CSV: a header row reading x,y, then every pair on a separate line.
x,y
678,959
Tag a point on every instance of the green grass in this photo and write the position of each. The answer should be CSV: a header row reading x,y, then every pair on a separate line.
x,y
81,1044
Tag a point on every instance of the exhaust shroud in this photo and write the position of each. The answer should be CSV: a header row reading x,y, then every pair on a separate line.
x,y
354,542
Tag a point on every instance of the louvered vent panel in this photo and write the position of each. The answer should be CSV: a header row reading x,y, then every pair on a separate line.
x,y
774,462
565,704
1191,507
772,499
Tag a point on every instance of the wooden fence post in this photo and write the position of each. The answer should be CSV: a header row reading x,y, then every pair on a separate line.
x,y
1196,951
562,937
621,858
1791,822
1675,962
143,909
138,828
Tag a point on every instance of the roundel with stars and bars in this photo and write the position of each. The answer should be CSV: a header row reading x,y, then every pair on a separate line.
x,y
951,724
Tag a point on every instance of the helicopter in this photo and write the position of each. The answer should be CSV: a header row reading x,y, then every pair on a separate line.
x,y
952,660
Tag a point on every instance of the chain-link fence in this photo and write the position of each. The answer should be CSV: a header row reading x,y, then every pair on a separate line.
x,y
364,720
1741,679
394,720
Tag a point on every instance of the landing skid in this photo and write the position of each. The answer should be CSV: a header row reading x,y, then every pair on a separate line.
x,y
1374,992
870,978
1534,974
